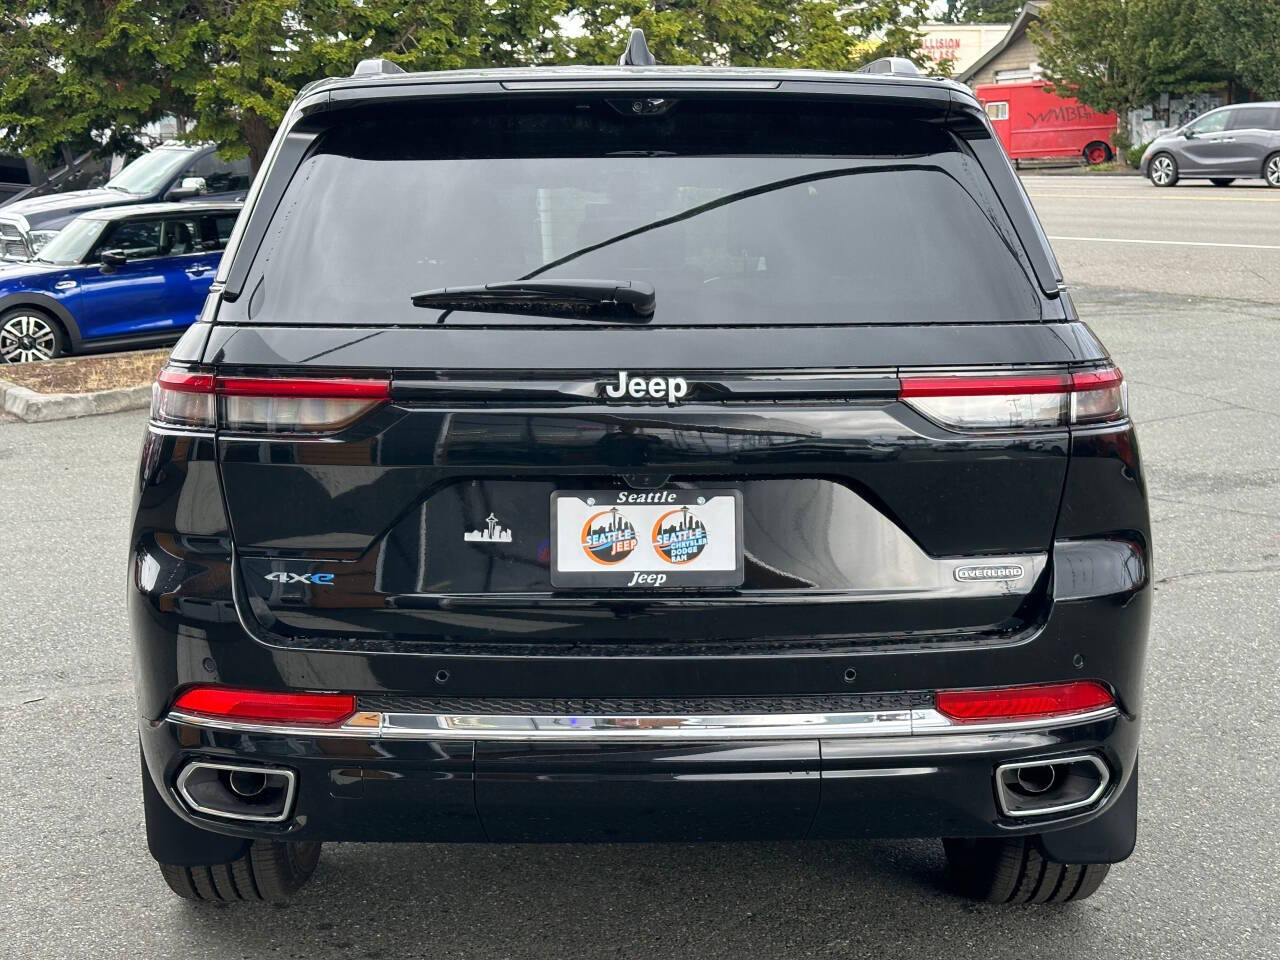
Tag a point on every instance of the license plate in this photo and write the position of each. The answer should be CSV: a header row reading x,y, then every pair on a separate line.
x,y
646,540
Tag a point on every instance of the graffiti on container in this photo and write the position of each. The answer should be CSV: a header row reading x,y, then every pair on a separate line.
x,y
1067,113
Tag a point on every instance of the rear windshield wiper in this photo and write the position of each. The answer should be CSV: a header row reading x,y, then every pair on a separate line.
x,y
612,301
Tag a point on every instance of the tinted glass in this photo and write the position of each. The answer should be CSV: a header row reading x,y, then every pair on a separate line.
x,y
141,239
1254,118
221,176
736,214
216,230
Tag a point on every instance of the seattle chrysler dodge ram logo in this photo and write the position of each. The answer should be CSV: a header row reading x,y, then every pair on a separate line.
x,y
1001,571
670,389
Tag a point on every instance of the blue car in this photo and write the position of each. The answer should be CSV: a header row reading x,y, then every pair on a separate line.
x,y
130,276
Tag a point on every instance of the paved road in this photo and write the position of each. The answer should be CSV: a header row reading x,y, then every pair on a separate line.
x,y
1204,880
1193,239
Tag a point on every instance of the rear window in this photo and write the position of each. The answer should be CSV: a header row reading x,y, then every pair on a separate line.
x,y
736,212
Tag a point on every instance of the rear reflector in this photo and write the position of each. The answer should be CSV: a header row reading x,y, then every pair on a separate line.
x,y
260,706
272,404
1024,703
1019,402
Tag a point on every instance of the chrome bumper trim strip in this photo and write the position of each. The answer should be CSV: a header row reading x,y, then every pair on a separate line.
x,y
785,726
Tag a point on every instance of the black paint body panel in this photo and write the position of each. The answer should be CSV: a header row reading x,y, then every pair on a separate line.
x,y
807,422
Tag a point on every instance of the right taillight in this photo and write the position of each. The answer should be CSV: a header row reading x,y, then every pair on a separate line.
x,y
1018,401
263,404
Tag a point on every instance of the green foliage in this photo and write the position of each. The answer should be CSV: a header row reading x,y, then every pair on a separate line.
x,y
1133,156
821,34
1120,54
93,72
75,73
1245,35
981,11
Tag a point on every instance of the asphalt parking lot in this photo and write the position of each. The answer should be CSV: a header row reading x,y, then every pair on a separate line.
x,y
1197,332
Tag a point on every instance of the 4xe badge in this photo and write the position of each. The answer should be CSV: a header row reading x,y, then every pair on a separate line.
x,y
670,389
317,579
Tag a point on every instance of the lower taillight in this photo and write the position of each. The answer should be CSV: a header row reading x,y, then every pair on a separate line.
x,y
183,399
265,404
1015,401
1024,703
263,706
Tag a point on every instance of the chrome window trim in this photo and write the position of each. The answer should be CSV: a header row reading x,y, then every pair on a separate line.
x,y
648,728
190,768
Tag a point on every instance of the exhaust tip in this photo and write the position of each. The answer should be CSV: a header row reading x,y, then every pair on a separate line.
x,y
246,784
235,792
1031,780
1039,788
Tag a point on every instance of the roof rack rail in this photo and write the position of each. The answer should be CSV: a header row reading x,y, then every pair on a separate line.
x,y
637,53
377,66
899,66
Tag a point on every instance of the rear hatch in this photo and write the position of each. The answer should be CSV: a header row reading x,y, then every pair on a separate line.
x,y
736,470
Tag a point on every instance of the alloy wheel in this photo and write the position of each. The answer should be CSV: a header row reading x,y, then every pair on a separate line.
x,y
26,337
1162,171
1273,171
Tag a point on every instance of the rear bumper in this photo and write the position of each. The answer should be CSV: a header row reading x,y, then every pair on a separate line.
x,y
794,779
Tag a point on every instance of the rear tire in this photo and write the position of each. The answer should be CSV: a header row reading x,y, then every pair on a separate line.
x,y
1096,153
1222,181
1013,870
1271,170
270,872
1163,170
28,334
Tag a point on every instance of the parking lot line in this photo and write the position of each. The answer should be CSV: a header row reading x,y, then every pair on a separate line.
x,y
1174,243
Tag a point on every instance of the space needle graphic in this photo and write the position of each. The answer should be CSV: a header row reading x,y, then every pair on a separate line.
x,y
493,532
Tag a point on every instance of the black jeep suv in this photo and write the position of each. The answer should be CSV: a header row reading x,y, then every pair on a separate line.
x,y
639,453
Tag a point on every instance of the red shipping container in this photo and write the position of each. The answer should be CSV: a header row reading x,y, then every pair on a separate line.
x,y
1034,123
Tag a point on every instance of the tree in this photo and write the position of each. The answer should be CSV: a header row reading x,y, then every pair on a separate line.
x,y
1245,35
981,11
87,71
821,34
96,73
260,52
80,74
1121,54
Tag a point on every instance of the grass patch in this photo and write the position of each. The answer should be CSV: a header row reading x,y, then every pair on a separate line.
x,y
87,374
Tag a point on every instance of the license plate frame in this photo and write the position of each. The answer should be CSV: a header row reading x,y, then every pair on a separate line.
x,y
655,562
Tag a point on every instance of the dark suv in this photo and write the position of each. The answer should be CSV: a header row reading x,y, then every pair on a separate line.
x,y
639,453
174,171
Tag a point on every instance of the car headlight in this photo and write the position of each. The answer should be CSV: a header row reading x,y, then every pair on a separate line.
x,y
38,238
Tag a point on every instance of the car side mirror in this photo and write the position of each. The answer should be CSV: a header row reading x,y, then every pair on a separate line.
x,y
111,259
1189,134
190,187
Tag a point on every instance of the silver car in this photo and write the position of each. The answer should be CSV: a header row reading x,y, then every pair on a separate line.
x,y
1226,144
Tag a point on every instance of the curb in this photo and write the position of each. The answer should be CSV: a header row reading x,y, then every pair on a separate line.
x,y
32,407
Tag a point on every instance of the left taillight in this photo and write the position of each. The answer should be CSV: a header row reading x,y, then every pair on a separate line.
x,y
183,399
1016,401
264,404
